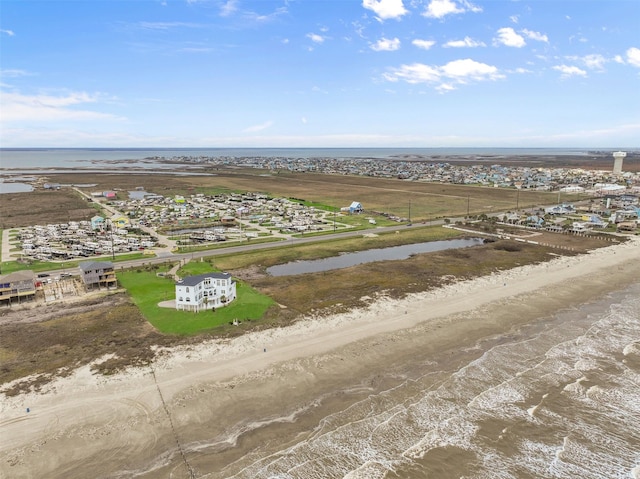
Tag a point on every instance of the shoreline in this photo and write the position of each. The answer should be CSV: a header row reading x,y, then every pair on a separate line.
x,y
315,354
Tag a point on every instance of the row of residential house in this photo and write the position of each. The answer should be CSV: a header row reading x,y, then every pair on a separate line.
x,y
22,286
435,170
565,217
193,293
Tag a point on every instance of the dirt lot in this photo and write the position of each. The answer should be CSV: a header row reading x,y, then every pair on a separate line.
x,y
52,339
42,207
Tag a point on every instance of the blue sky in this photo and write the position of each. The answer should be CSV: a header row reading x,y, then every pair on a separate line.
x,y
320,73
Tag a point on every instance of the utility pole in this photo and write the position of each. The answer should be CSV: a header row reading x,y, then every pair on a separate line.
x,y
334,219
113,253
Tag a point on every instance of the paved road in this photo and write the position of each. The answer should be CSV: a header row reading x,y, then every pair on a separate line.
x,y
6,246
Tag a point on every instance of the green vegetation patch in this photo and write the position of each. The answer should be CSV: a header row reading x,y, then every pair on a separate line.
x,y
147,289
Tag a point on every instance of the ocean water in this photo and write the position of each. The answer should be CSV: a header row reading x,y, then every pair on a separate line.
x,y
559,398
25,158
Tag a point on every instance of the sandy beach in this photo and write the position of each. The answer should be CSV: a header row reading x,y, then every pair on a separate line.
x,y
203,411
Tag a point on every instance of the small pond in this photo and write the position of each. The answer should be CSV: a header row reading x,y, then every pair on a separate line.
x,y
15,187
381,254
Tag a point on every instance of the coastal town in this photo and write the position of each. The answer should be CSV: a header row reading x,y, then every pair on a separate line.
x,y
472,170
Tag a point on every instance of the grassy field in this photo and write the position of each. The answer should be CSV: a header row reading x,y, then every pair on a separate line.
x,y
147,289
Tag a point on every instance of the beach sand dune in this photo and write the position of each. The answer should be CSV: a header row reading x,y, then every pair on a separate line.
x,y
201,411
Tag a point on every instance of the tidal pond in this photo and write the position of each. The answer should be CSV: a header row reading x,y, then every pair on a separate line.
x,y
380,254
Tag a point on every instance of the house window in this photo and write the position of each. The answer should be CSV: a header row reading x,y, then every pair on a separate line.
x,y
187,290
188,299
180,299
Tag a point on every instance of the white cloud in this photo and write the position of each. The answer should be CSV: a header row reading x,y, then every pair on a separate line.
x,y
315,38
7,32
537,36
40,108
265,18
165,26
461,70
467,42
569,71
424,44
260,127
514,18
414,73
385,9
13,73
442,8
228,8
445,87
454,72
633,56
508,37
594,61
386,45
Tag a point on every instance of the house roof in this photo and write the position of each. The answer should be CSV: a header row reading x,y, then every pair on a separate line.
x,y
18,276
94,265
194,280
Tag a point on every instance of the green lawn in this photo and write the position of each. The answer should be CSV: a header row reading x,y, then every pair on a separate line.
x,y
147,290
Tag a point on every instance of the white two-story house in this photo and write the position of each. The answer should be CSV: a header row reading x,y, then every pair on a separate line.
x,y
205,291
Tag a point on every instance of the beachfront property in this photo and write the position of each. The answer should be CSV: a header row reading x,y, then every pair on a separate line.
x,y
100,274
17,287
205,291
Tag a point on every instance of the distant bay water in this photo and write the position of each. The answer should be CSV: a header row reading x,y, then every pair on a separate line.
x,y
26,158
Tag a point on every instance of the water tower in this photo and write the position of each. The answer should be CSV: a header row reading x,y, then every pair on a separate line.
x,y
618,157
